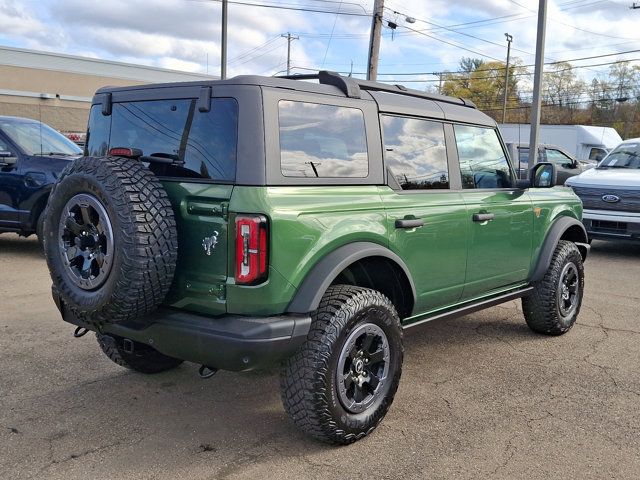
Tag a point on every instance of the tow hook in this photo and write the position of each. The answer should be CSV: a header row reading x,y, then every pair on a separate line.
x,y
207,372
80,332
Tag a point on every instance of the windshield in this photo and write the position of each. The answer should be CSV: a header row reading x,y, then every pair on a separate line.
x,y
36,138
625,155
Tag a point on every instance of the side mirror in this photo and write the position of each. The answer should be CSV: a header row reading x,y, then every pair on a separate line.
x,y
7,159
544,175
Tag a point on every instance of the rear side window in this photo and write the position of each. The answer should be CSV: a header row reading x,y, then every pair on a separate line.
x,y
483,163
97,143
205,141
416,153
324,141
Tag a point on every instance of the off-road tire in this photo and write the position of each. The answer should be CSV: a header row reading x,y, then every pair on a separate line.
x,y
39,228
308,380
144,359
145,240
541,308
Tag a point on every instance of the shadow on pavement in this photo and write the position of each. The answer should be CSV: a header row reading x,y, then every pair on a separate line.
x,y
616,248
14,245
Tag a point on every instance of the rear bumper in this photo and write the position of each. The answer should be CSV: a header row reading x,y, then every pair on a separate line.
x,y
233,343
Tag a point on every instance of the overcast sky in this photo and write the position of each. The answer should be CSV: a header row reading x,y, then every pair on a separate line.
x,y
182,34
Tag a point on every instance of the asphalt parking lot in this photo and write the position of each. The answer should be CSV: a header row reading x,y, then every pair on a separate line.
x,y
480,396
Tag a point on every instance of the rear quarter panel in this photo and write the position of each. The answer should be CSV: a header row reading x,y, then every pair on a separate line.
x,y
305,224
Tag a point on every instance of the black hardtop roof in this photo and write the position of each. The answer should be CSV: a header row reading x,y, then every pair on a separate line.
x,y
330,83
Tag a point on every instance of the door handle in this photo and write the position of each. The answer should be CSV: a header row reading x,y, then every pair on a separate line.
x,y
483,217
409,223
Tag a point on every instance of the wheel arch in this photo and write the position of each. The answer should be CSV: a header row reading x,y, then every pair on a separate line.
x,y
563,228
38,206
364,264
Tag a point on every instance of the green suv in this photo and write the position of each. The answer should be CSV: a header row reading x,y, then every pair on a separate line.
x,y
247,222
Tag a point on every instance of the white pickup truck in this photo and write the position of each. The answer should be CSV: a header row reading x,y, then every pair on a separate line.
x,y
610,193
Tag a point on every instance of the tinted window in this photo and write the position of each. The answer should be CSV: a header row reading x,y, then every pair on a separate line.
x,y
322,141
483,163
415,151
204,141
558,158
36,138
98,132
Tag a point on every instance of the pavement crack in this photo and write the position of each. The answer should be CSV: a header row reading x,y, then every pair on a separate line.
x,y
509,452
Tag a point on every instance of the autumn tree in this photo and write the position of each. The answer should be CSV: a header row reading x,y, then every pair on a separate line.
x,y
483,83
562,92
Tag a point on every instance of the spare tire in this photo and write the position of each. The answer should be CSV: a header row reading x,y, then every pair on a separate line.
x,y
110,240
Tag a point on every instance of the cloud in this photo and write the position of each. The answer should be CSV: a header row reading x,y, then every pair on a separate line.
x,y
184,33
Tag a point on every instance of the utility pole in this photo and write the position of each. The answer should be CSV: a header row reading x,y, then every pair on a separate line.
x,y
289,38
374,42
506,78
537,80
439,75
223,43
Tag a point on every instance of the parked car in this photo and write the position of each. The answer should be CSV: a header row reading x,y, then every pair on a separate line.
x,y
32,155
249,221
566,165
610,194
583,142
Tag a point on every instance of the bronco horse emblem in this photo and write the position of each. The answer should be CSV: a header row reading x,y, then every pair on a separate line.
x,y
209,243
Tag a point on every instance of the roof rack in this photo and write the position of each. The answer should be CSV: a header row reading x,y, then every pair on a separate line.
x,y
347,84
351,87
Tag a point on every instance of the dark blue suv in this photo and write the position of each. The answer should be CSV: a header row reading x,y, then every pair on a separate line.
x,y
32,155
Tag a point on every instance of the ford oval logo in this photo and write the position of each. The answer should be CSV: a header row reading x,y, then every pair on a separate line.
x,y
610,198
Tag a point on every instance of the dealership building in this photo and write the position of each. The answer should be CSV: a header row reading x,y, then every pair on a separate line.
x,y
57,89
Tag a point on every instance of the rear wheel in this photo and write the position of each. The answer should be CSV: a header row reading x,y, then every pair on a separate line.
x,y
553,307
135,356
340,384
39,229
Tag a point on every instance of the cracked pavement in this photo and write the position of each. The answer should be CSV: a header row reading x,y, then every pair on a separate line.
x,y
480,397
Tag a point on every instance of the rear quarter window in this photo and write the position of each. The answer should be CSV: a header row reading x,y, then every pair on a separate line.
x,y
323,141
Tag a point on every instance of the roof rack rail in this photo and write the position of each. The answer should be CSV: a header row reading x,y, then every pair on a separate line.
x,y
346,84
351,87
402,90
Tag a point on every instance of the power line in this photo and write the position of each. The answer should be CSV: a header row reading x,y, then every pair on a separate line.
x,y
283,7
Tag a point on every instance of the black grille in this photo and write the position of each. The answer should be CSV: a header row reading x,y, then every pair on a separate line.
x,y
606,226
592,199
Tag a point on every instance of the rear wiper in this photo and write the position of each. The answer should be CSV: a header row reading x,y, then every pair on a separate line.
x,y
164,158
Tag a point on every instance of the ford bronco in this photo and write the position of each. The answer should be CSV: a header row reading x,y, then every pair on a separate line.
x,y
255,221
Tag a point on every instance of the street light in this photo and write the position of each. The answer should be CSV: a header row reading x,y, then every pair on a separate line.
x,y
506,78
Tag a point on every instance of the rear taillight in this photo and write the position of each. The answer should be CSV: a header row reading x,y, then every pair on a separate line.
x,y
251,249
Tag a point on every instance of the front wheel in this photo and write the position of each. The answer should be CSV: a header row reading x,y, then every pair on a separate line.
x,y
553,307
340,384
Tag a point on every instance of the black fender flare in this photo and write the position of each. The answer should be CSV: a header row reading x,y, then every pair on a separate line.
x,y
312,288
39,201
555,233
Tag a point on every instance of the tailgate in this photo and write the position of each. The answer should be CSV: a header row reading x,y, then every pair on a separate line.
x,y
201,212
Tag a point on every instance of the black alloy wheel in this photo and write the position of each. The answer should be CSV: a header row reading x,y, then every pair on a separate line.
x,y
85,238
363,368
